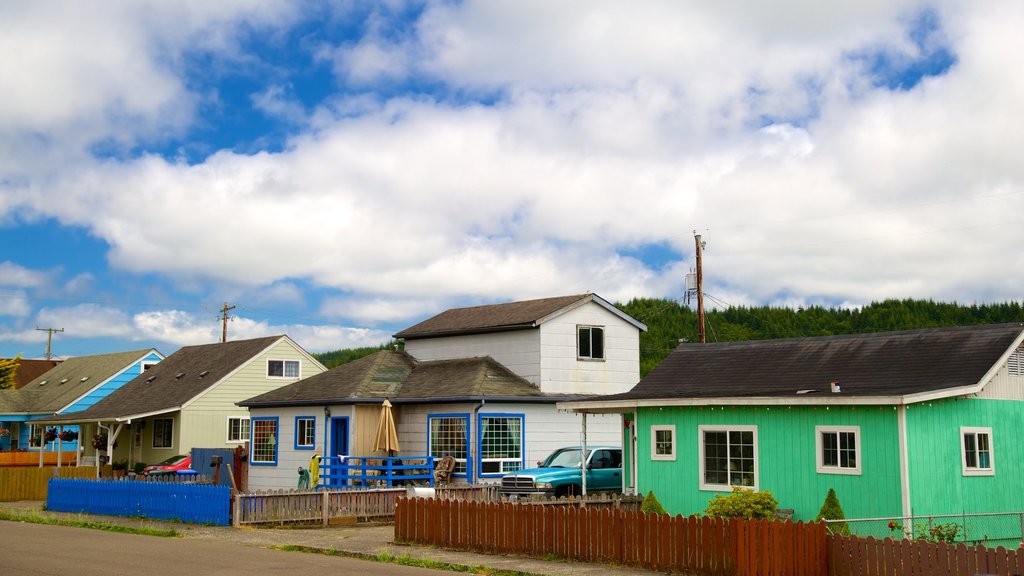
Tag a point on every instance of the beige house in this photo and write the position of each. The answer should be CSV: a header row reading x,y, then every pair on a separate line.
x,y
189,400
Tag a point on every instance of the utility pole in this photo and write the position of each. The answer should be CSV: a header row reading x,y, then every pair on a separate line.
x,y
49,339
224,321
700,289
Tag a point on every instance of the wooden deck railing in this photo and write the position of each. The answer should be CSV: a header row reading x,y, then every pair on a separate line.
x,y
361,471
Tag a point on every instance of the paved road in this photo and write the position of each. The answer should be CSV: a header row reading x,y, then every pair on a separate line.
x,y
37,550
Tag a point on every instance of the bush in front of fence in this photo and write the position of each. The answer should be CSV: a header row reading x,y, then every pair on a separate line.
x,y
743,503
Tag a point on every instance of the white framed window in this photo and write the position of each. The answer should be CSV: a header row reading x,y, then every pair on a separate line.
x,y
501,443
591,342
837,449
35,435
728,457
163,432
978,458
264,442
147,364
238,429
663,442
305,432
283,369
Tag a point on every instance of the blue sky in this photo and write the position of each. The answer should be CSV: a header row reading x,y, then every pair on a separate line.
x,y
339,171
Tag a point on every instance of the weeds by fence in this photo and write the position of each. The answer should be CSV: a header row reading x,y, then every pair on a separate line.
x,y
197,503
989,529
284,506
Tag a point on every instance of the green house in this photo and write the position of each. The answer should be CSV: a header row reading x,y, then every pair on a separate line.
x,y
901,424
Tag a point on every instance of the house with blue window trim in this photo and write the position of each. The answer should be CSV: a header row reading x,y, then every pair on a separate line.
x,y
479,384
900,424
189,399
72,385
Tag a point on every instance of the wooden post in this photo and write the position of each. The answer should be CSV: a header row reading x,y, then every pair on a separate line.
x,y
326,506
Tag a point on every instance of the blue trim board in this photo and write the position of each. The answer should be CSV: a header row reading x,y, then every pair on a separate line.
x,y
480,442
252,437
295,435
469,453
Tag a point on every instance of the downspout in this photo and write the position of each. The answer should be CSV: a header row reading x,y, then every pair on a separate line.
x,y
471,470
901,424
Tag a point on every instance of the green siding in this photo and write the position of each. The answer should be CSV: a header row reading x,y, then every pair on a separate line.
x,y
786,457
937,483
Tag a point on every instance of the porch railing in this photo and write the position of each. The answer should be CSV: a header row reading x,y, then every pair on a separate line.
x,y
363,471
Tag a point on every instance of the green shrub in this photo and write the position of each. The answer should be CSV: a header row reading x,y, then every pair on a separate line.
x,y
832,510
743,503
139,467
650,505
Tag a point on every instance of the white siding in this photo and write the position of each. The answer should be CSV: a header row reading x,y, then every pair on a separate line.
x,y
285,474
563,373
517,350
1003,386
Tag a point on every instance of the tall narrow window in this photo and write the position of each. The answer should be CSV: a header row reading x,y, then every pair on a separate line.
x,y
728,457
449,436
163,432
501,443
838,449
264,441
978,457
305,432
591,342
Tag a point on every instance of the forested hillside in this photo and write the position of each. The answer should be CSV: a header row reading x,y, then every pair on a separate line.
x,y
668,322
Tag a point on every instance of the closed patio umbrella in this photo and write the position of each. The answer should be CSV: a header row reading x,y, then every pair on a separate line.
x,y
387,435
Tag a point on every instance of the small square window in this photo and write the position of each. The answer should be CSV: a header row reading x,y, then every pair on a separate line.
x,y
976,449
591,342
663,442
838,449
238,429
283,369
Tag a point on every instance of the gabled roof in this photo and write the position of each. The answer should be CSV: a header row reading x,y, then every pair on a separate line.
x,y
402,379
68,381
508,316
897,367
176,380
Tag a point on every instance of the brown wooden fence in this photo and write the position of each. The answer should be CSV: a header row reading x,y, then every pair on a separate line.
x,y
655,542
854,556
23,483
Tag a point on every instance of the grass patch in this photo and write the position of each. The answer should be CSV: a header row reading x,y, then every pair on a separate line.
x,y
91,524
389,558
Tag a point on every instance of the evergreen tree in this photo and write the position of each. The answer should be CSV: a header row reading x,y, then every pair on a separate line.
x,y
831,510
8,372
650,505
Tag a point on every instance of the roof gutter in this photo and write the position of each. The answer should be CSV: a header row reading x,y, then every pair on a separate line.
x,y
397,401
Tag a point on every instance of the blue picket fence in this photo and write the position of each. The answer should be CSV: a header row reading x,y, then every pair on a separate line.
x,y
195,503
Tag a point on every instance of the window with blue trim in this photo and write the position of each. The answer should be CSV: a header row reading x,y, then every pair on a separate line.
x,y
305,432
501,443
449,436
264,442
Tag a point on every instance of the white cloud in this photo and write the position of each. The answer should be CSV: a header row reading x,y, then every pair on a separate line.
x,y
14,303
613,127
17,276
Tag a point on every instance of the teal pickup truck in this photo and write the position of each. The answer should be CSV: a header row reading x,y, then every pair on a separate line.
x,y
559,474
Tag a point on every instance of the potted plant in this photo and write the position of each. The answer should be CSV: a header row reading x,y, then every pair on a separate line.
x,y
99,442
68,436
120,467
50,435
138,468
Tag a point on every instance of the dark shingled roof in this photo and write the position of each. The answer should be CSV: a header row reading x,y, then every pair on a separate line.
x,y
403,379
881,364
63,384
29,370
489,318
161,389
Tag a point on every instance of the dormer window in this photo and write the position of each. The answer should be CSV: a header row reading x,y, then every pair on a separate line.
x,y
591,342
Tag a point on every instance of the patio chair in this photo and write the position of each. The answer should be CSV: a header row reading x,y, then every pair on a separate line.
x,y
443,470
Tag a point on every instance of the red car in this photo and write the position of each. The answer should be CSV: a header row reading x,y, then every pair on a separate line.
x,y
172,465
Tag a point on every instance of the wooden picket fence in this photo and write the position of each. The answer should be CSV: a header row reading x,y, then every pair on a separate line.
x,y
26,483
854,556
321,506
691,545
